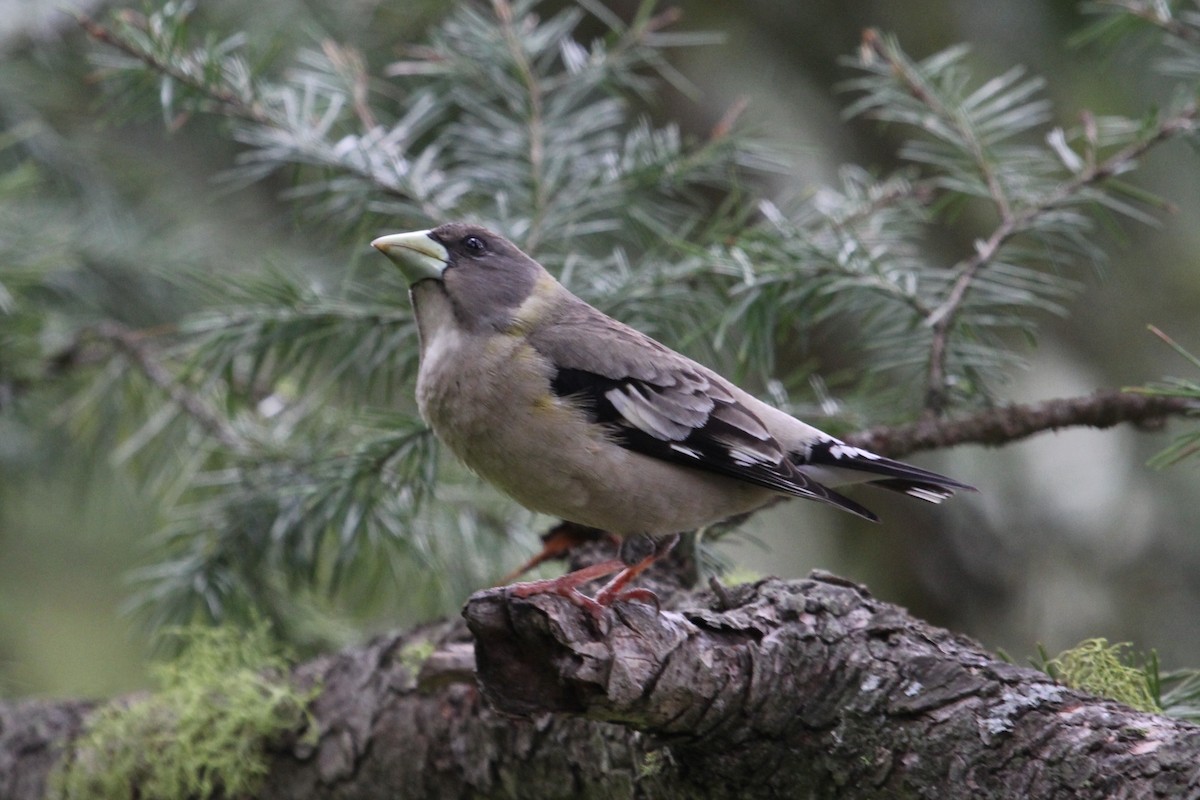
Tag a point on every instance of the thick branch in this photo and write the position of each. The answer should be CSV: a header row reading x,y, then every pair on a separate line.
x,y
391,725
814,689
808,688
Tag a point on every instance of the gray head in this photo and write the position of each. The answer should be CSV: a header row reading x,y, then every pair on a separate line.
x,y
485,276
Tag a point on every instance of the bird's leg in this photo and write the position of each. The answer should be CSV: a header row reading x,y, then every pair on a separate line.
x,y
568,585
557,543
615,589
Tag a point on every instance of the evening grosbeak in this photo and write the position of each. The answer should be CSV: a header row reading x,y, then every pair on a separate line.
x,y
579,416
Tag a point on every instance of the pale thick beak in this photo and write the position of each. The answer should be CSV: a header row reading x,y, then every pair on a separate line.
x,y
417,254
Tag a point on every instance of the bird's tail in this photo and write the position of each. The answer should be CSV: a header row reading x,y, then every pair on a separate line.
x,y
835,463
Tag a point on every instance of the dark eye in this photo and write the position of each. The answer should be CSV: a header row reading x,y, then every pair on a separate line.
x,y
474,244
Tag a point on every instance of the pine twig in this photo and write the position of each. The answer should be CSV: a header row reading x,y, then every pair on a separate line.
x,y
993,427
943,317
132,345
535,120
228,103
227,100
1013,221
1158,15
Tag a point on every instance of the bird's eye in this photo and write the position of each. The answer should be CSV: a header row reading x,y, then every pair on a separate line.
x,y
474,244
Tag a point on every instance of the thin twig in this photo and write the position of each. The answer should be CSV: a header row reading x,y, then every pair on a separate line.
x,y
1013,222
944,316
917,86
994,427
230,104
1159,15
537,135
133,345
228,101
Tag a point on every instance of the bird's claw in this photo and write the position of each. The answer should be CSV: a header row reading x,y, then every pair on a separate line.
x,y
644,596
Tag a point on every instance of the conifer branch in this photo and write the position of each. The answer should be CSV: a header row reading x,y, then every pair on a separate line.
x,y
227,101
992,427
507,117
1157,14
916,84
535,124
942,318
133,346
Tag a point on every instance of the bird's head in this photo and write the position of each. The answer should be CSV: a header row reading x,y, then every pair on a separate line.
x,y
485,276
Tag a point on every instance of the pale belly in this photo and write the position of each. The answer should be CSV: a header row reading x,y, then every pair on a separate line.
x,y
497,415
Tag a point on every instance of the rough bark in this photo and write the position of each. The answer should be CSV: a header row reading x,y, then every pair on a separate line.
x,y
814,689
777,689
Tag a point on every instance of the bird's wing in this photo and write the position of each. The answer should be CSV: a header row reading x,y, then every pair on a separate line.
x,y
659,403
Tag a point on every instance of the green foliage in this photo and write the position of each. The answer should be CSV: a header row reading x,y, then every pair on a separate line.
x,y
1111,671
32,293
1177,692
414,655
269,410
201,734
991,147
1186,445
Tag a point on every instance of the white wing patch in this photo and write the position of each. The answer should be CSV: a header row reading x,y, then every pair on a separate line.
x,y
745,458
639,410
928,495
701,421
841,451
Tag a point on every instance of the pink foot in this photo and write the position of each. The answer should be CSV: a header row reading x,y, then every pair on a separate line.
x,y
568,586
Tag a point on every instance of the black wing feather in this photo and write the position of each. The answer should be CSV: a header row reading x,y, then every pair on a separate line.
x,y
694,428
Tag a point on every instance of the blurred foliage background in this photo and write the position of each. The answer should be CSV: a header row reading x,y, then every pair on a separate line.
x,y
1071,537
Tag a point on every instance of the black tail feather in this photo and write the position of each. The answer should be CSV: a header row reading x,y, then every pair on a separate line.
x,y
825,494
893,475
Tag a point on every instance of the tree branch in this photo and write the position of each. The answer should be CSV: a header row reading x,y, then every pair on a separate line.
x,y
815,689
1012,219
1156,14
804,688
132,345
999,426
226,101
993,427
943,318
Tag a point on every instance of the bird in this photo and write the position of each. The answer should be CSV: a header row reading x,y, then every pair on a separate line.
x,y
577,415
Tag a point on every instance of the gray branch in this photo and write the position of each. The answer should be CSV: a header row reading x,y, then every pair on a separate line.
x,y
815,689
777,689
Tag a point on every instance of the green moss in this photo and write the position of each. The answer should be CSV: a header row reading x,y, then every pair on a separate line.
x,y
201,734
740,575
1106,670
652,764
414,654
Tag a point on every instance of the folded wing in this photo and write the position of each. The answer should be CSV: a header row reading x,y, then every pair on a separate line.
x,y
658,403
